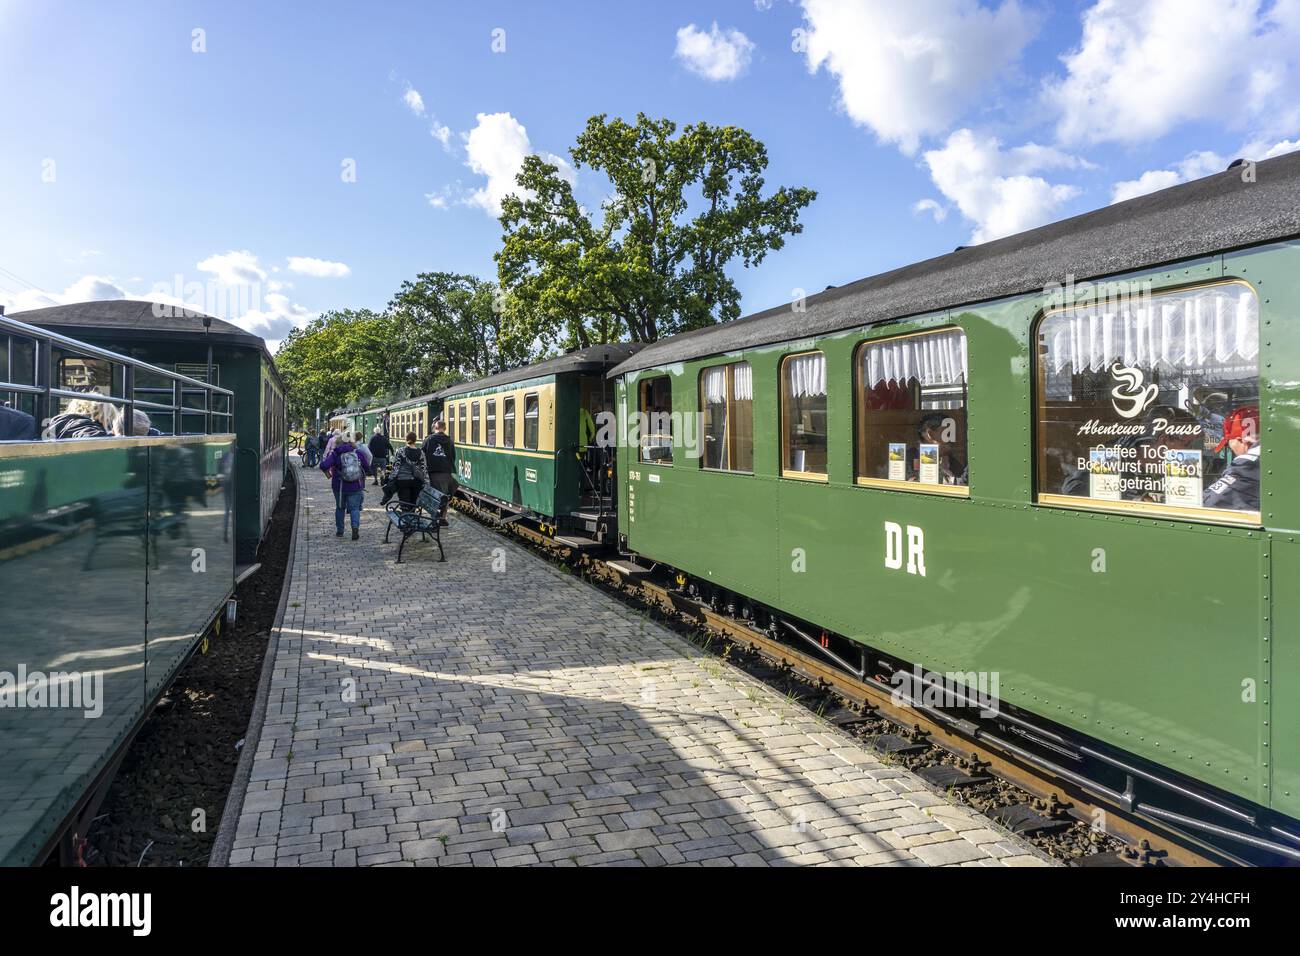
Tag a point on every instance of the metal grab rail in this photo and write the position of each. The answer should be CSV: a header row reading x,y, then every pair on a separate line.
x,y
45,342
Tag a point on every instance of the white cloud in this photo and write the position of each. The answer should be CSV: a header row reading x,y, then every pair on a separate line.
x,y
1143,67
933,207
908,70
1262,149
1192,167
993,187
413,100
234,268
319,268
442,134
275,320
89,288
1278,149
715,55
496,148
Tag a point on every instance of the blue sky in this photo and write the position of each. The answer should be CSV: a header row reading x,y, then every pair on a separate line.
x,y
134,162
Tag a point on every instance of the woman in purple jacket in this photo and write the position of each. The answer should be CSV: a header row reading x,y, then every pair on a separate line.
x,y
347,465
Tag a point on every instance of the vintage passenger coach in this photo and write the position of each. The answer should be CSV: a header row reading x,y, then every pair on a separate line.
x,y
1064,460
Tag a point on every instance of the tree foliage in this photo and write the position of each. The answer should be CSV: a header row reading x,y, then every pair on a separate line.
x,y
439,329
653,261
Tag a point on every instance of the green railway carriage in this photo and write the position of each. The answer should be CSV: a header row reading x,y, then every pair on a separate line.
x,y
1063,462
396,419
526,440
179,341
412,415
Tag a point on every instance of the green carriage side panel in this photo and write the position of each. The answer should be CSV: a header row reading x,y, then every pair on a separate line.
x,y
524,479
1275,272
102,533
1151,653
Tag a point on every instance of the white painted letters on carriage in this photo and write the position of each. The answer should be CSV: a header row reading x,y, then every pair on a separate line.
x,y
915,548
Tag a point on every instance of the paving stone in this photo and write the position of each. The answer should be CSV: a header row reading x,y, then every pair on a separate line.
x,y
549,709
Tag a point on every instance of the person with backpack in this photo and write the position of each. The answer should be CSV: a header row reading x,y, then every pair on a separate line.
x,y
439,459
381,449
409,476
347,465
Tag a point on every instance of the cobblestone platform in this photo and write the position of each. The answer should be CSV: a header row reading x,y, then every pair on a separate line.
x,y
493,710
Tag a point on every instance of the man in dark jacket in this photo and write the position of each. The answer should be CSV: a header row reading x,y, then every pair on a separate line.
x,y
16,425
439,459
381,449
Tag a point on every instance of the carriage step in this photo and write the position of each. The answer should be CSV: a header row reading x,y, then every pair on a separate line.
x,y
578,544
590,520
629,570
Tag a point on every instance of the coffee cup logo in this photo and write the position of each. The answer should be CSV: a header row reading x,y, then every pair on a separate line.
x,y
1131,398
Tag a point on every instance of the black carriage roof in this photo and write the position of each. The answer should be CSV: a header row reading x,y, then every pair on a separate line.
x,y
1210,215
597,358
133,319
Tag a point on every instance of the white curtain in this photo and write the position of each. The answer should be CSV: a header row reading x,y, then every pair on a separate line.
x,y
742,382
938,359
715,385
806,375
1185,329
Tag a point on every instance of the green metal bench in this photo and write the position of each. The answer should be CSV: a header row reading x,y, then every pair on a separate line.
x,y
421,518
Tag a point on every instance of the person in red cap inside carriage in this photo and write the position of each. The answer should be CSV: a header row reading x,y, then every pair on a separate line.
x,y
1238,488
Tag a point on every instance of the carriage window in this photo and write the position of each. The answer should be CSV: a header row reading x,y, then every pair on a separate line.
x,y
911,421
727,400
475,422
655,405
508,422
532,412
1152,403
491,422
803,416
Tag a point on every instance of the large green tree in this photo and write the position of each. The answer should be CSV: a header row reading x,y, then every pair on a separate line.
x,y
340,356
652,260
452,327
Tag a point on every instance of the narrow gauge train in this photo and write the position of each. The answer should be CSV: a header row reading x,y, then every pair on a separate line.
x,y
187,343
117,556
416,414
526,442
1056,470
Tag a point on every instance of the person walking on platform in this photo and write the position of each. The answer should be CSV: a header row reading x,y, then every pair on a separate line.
x,y
409,475
439,456
381,449
347,465
310,447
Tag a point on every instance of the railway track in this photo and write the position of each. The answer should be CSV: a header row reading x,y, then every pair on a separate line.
x,y
1058,812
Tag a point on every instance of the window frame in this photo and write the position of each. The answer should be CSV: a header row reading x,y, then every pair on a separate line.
x,y
537,437
475,422
729,380
640,446
508,415
1141,509
859,426
783,417
490,423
